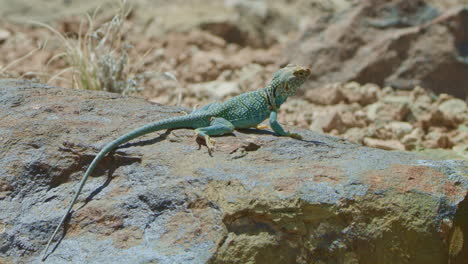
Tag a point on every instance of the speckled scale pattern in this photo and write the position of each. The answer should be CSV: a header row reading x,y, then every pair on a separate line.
x,y
244,111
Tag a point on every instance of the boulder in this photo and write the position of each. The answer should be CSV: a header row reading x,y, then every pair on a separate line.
x,y
398,43
259,199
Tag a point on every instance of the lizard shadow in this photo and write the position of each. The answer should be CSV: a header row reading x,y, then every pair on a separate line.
x,y
152,141
253,131
162,137
114,165
104,185
66,225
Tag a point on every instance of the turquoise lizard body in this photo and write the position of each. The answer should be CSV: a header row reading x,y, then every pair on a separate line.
x,y
243,111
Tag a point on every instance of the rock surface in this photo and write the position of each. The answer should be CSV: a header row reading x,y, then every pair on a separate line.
x,y
399,43
259,199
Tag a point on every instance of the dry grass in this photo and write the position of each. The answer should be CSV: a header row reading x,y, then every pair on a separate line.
x,y
4,71
98,58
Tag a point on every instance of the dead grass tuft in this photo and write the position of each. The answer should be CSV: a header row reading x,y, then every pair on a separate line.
x,y
98,56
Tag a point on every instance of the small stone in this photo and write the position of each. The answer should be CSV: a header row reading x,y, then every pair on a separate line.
x,y
354,134
442,98
400,129
383,144
373,110
391,108
349,120
364,95
417,91
325,95
4,35
379,131
326,122
442,117
413,140
421,103
437,139
387,90
454,110
418,94
459,136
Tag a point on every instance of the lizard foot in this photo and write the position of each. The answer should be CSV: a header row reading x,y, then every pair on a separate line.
x,y
209,142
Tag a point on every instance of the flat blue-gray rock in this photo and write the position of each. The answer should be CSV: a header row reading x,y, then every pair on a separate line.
x,y
259,199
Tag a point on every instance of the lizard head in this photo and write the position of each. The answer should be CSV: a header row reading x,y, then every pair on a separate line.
x,y
289,79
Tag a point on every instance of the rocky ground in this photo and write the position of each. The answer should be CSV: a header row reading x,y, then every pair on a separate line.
x,y
258,199
402,45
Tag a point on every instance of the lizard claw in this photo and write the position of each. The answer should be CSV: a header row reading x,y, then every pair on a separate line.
x,y
210,144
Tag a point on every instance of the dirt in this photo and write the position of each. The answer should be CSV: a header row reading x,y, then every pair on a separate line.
x,y
217,50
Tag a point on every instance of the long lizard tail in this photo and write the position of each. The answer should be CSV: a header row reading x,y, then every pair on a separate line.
x,y
176,122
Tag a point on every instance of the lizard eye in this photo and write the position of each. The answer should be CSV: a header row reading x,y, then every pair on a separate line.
x,y
302,73
298,73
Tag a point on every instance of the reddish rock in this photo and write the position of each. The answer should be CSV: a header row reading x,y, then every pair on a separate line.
x,y
383,144
362,94
400,129
437,139
391,108
407,46
328,121
413,140
325,95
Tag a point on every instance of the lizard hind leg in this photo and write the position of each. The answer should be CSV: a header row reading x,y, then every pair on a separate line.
x,y
218,126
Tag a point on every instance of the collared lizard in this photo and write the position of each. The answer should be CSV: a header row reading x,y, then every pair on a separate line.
x,y
243,111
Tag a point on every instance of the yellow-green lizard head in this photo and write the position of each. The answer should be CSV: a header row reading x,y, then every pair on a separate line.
x,y
289,79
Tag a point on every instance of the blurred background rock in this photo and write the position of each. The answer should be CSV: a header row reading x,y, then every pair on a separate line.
x,y
386,74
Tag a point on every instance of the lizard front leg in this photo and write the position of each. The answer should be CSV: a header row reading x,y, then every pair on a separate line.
x,y
275,125
218,126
